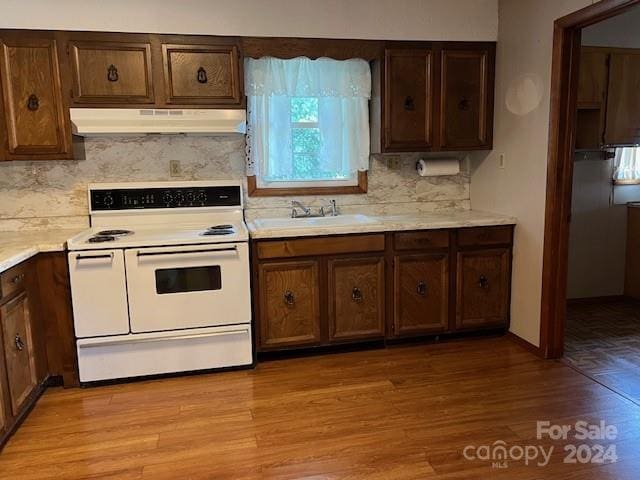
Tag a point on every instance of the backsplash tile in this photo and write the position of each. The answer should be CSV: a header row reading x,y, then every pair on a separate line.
x,y
35,195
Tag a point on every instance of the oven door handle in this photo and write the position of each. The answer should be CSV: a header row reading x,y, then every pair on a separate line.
x,y
185,252
94,257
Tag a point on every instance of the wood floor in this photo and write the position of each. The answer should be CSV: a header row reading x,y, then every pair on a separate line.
x,y
603,340
399,413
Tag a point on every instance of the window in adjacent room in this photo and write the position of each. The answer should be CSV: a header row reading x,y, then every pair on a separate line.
x,y
308,124
627,165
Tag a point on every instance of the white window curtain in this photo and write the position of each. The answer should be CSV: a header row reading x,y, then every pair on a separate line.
x,y
341,118
627,165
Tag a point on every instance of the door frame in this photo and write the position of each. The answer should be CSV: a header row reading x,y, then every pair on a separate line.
x,y
562,132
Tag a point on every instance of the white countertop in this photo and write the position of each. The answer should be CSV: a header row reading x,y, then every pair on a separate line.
x,y
418,221
16,247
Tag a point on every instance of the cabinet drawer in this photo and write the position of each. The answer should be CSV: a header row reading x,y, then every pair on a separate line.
x,y
201,74
474,237
12,281
111,73
356,298
483,288
421,284
421,240
320,246
289,304
18,350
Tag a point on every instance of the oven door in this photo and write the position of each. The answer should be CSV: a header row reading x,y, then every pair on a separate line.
x,y
173,288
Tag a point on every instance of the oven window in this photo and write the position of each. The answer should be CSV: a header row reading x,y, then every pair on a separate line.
x,y
190,279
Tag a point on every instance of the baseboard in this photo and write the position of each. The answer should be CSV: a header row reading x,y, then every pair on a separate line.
x,y
537,351
592,300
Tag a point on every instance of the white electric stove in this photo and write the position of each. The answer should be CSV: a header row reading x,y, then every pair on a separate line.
x,y
160,282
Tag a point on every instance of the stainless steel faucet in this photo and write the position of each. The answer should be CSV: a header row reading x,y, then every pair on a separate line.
x,y
306,211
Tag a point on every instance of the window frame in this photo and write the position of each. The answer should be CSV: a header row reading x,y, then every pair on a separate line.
x,y
256,191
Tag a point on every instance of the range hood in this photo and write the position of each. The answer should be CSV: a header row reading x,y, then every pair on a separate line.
x,y
125,121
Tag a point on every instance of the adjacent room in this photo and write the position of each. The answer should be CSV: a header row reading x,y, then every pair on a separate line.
x,y
348,239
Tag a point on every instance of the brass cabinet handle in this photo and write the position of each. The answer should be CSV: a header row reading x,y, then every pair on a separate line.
x,y
17,279
356,295
112,73
289,298
483,282
33,102
19,343
202,75
421,289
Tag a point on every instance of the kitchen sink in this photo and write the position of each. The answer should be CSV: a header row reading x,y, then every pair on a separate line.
x,y
301,222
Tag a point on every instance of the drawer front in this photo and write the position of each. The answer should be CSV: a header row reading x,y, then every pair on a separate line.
x,y
12,281
356,298
289,304
201,74
421,294
18,350
482,236
112,73
483,282
320,246
421,240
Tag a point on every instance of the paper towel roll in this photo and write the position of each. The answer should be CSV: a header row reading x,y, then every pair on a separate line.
x,y
437,167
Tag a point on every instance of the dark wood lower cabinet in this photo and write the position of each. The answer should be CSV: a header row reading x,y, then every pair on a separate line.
x,y
318,291
356,298
483,280
421,293
289,304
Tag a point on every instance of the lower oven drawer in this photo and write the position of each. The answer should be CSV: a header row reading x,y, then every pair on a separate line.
x,y
143,354
195,286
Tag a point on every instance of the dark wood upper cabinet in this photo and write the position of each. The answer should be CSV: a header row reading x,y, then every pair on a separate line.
x,y
289,304
623,101
592,86
356,298
35,120
421,284
106,72
408,97
466,101
202,74
483,283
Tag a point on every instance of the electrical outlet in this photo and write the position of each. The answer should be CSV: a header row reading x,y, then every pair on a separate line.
x,y
175,169
501,161
394,162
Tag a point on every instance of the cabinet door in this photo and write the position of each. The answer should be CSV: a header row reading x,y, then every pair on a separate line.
x,y
289,304
592,86
421,293
483,288
5,407
623,101
408,100
111,73
35,119
201,74
18,350
465,107
356,298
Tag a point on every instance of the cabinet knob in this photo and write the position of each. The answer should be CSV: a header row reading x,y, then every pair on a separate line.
x,y
421,289
33,102
289,298
112,73
464,104
17,279
202,75
19,343
483,282
356,295
409,104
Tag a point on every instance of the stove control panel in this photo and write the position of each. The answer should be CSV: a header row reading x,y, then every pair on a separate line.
x,y
164,197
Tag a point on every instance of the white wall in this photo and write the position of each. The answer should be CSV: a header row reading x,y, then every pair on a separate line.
x,y
598,233
372,19
621,31
525,40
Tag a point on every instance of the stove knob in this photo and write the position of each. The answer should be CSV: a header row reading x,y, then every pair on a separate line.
x,y
167,199
179,198
191,197
202,197
108,200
